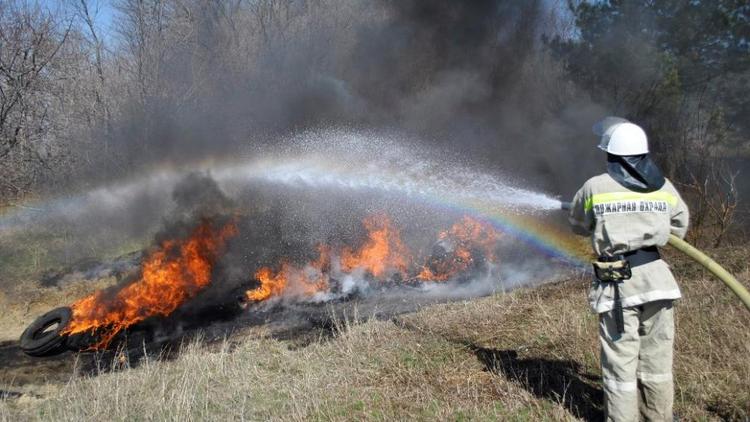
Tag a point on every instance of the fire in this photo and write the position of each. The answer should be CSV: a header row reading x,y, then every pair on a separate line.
x,y
382,256
471,232
464,240
172,274
271,284
305,281
383,252
177,270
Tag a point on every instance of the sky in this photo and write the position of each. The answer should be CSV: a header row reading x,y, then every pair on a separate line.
x,y
102,10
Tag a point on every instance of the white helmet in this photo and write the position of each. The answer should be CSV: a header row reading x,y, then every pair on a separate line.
x,y
620,137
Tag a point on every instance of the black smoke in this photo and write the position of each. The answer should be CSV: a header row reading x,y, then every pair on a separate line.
x,y
473,77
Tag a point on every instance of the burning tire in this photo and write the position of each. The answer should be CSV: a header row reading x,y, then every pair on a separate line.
x,y
42,337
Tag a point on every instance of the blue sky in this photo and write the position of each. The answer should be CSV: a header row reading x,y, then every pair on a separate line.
x,y
102,9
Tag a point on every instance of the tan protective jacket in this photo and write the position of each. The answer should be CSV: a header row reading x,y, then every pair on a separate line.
x,y
621,220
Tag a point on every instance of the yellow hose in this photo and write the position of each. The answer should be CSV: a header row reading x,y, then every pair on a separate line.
x,y
713,267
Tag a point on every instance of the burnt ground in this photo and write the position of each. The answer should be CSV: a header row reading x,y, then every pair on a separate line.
x,y
93,269
18,369
297,324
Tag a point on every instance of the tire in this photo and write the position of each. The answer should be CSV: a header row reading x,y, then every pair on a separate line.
x,y
42,337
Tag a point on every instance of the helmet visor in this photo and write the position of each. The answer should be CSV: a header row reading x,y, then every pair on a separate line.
x,y
605,127
601,127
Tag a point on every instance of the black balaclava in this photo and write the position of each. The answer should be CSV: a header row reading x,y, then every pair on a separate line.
x,y
635,172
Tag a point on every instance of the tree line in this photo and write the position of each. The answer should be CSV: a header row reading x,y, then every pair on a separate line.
x,y
172,80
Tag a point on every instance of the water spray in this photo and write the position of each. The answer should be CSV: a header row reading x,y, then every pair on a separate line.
x,y
706,261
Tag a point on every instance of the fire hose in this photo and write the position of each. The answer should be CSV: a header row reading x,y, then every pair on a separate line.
x,y
712,266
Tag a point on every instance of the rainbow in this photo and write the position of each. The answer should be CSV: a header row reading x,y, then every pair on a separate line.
x,y
525,223
549,239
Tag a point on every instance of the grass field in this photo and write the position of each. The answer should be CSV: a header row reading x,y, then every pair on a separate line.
x,y
531,354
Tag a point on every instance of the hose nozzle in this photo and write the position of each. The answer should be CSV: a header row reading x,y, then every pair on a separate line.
x,y
566,206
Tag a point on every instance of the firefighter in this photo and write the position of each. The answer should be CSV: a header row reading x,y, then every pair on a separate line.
x,y
629,211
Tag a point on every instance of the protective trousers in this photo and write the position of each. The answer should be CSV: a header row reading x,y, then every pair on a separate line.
x,y
637,364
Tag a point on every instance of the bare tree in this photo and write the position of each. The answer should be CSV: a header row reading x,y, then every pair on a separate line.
x,y
715,199
30,40
86,11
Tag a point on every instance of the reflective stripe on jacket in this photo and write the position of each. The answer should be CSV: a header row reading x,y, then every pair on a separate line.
x,y
621,220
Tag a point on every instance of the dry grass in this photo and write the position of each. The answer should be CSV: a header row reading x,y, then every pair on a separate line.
x,y
24,259
712,367
371,371
528,355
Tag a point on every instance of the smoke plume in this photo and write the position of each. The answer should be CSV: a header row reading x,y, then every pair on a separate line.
x,y
470,76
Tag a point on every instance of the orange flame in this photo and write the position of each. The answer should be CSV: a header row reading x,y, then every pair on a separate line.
x,y
467,236
270,284
383,252
306,281
382,255
472,232
172,274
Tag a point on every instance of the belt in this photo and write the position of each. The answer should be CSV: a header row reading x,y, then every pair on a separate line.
x,y
642,256
634,258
